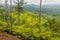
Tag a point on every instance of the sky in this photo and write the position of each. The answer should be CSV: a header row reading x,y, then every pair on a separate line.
x,y
33,1
51,1
43,1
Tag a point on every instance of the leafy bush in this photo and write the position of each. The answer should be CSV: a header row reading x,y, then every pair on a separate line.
x,y
31,29
3,25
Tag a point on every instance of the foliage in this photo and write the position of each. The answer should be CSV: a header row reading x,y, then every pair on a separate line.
x,y
30,28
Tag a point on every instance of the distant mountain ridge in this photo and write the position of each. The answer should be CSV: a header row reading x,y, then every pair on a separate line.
x,y
52,9
32,7
48,9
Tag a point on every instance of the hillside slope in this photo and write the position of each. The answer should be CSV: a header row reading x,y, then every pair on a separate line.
x,y
6,36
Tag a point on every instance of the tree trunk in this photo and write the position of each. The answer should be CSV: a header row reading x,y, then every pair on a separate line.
x,y
11,20
18,12
40,16
6,13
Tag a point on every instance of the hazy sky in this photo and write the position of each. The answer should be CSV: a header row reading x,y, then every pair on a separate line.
x,y
51,1
33,1
43,1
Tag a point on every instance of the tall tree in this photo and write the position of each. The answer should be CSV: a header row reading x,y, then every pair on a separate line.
x,y
18,13
19,8
11,20
1,11
40,16
6,15
0,2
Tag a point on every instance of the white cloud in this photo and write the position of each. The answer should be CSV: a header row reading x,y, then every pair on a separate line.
x,y
38,1
44,1
51,1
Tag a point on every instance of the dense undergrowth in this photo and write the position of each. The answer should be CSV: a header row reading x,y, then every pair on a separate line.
x,y
30,28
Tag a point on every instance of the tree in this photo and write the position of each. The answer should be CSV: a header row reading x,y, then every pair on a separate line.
x,y
40,16
2,11
11,20
19,8
6,15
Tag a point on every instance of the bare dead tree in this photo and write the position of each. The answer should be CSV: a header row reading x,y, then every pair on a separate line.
x,y
6,15
18,12
40,16
11,20
19,4
0,10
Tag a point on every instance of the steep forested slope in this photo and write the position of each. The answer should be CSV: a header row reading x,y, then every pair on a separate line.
x,y
30,28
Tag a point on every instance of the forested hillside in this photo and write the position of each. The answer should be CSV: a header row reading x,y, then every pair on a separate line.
x,y
30,28
29,25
